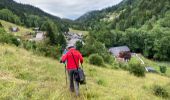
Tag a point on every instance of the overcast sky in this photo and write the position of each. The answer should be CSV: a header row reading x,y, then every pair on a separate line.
x,y
71,9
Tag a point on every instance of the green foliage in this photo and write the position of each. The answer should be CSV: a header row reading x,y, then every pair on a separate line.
x,y
96,59
49,51
137,69
163,69
1,25
123,66
141,25
92,46
8,38
160,91
29,45
7,15
61,40
79,45
162,48
107,57
30,16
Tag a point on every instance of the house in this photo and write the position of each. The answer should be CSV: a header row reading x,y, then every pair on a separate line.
x,y
39,36
14,29
121,52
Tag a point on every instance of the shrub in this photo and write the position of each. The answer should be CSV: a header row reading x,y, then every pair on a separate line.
x,y
79,45
96,59
137,69
163,69
160,91
108,58
123,66
8,38
1,25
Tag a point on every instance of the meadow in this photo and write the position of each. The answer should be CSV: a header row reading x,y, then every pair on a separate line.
x,y
25,76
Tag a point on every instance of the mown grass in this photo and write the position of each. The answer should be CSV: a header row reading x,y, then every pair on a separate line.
x,y
24,76
78,31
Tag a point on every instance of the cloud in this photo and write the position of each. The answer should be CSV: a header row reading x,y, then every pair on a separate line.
x,y
70,8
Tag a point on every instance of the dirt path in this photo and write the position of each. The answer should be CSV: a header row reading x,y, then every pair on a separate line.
x,y
142,62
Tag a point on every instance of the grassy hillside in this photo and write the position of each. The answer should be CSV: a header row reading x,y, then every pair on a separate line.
x,y
26,76
22,30
157,64
78,31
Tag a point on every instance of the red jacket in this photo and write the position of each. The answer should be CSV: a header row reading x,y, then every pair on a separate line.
x,y
69,58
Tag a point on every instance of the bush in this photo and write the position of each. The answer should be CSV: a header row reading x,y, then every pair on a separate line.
x,y
163,69
108,58
123,66
79,45
160,91
1,25
96,59
8,38
137,69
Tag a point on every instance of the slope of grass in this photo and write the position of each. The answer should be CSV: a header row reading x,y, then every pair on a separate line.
x,y
78,31
22,30
24,76
156,64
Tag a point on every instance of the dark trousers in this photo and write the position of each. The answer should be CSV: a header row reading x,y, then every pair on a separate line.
x,y
74,85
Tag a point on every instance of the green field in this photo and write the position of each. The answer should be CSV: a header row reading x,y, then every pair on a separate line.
x,y
156,64
22,30
78,31
25,76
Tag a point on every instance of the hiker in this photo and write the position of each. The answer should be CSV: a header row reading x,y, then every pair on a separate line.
x,y
73,58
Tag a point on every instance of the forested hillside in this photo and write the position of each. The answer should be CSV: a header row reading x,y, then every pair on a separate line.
x,y
26,15
31,17
143,25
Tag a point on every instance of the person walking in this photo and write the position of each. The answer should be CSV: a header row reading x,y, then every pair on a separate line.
x,y
73,58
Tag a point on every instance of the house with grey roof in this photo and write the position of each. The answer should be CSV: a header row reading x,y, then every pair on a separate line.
x,y
121,52
117,50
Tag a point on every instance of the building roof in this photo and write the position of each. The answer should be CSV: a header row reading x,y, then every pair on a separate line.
x,y
116,50
40,35
14,29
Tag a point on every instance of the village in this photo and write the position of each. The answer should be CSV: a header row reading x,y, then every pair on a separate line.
x,y
121,54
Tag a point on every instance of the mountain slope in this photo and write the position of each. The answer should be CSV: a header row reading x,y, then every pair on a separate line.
x,y
27,76
129,13
142,25
22,30
28,15
21,9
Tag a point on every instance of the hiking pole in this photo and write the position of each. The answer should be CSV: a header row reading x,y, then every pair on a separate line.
x,y
66,74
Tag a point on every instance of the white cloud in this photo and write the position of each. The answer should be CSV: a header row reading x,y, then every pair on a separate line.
x,y
70,8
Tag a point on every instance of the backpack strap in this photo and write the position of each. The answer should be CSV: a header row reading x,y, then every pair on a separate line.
x,y
74,60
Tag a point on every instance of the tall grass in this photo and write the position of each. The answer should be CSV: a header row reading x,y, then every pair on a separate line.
x,y
24,76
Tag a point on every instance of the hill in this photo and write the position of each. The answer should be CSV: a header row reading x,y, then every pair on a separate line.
x,y
22,30
27,15
141,25
128,13
27,76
